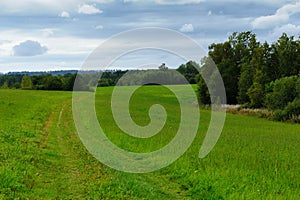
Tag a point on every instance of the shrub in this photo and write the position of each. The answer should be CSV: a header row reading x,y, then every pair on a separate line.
x,y
283,92
290,113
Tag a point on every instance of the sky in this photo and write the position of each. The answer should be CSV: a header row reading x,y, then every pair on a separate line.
x,y
46,35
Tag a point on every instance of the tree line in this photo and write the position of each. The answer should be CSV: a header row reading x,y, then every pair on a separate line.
x,y
65,81
258,75
38,82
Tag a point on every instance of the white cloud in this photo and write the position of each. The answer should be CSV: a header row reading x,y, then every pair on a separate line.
x,y
29,48
187,28
289,29
44,6
88,9
64,14
281,16
168,2
209,13
99,27
57,45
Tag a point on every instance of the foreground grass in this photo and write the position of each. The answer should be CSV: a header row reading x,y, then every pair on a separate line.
x,y
42,157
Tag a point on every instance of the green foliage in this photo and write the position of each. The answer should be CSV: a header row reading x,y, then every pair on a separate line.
x,y
16,85
151,77
288,55
207,71
190,70
5,86
163,67
298,87
110,78
292,110
10,79
45,81
283,99
68,82
247,66
223,56
53,83
290,113
283,92
83,82
203,93
26,83
245,82
256,95
104,82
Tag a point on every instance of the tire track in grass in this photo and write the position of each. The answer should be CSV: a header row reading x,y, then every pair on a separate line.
x,y
70,172
60,175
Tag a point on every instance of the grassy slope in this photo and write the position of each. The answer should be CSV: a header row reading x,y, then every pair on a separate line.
x,y
42,157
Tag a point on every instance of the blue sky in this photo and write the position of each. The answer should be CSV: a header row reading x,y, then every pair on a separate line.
x,y
54,34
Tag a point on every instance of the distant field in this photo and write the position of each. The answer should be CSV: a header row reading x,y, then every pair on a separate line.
x,y
41,156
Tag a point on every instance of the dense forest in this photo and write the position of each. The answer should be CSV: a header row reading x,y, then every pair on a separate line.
x,y
255,75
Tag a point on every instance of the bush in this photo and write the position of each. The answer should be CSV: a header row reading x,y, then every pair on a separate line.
x,y
283,92
290,113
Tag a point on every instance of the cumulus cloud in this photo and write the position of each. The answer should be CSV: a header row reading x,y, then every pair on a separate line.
x,y
187,28
282,15
29,48
64,14
88,9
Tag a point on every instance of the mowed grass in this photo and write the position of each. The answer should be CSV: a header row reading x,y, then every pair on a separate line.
x,y
41,156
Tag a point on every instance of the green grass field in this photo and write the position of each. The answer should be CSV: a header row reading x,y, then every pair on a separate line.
x,y
41,156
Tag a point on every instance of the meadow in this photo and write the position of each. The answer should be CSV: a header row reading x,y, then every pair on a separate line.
x,y
42,157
